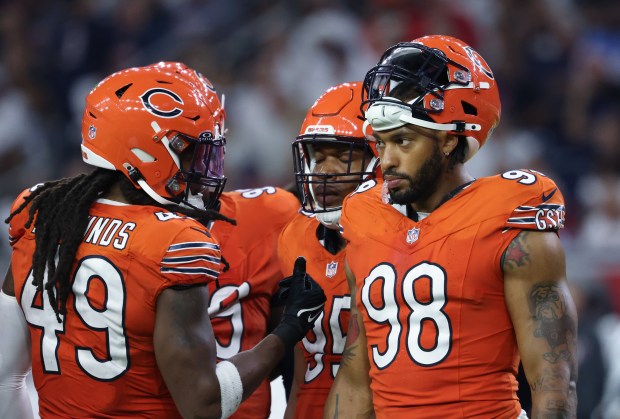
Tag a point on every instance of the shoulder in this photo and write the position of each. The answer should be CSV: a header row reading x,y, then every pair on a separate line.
x,y
528,199
17,225
189,254
157,231
362,203
269,199
298,228
366,192
264,210
160,223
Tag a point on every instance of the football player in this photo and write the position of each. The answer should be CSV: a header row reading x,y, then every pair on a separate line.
x,y
454,278
243,302
107,289
331,158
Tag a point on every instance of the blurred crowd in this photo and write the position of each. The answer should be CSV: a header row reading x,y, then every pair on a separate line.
x,y
557,63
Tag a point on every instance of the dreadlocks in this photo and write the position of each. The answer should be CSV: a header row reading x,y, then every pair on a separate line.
x,y
60,209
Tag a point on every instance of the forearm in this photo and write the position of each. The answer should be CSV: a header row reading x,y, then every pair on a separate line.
x,y
549,351
554,395
299,373
350,396
14,360
291,403
254,365
545,321
348,400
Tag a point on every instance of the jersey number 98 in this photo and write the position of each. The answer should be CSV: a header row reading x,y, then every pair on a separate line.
x,y
388,312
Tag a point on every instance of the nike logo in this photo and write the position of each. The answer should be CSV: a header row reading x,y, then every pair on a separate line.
x,y
545,198
311,318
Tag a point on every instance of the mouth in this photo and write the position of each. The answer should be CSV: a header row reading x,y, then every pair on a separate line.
x,y
328,197
393,182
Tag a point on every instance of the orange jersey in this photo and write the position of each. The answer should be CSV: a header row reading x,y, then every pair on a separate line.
x,y
440,339
322,347
241,300
100,361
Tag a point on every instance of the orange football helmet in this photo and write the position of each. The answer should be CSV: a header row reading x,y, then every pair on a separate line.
x,y
335,119
436,82
141,120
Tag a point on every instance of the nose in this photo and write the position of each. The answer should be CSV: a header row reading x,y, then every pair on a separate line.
x,y
328,167
388,156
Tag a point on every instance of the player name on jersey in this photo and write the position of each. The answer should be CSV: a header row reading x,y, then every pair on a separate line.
x,y
104,231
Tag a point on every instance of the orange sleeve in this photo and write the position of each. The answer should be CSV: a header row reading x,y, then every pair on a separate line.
x,y
192,258
541,209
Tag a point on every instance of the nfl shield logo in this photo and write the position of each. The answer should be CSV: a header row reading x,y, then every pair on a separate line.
x,y
331,269
413,234
92,132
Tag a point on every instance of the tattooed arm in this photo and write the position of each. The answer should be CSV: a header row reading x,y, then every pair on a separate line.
x,y
545,321
350,395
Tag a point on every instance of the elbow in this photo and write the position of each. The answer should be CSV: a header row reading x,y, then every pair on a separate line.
x,y
205,411
206,407
212,411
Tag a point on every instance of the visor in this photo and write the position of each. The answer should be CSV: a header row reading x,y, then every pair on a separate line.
x,y
203,173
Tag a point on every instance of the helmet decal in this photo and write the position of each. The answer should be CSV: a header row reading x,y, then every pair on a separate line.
x,y
475,58
146,100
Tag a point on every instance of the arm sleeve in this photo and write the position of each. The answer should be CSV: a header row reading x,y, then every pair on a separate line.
x,y
15,360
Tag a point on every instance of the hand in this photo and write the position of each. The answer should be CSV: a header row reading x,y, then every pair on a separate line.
x,y
304,303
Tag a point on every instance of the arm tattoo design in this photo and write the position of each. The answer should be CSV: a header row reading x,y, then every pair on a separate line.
x,y
337,401
516,255
552,322
353,333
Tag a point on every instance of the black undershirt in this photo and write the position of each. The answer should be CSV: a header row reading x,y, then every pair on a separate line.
x,y
332,240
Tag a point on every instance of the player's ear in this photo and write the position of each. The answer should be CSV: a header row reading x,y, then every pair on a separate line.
x,y
448,144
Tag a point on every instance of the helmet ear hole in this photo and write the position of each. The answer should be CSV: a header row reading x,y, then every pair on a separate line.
x,y
469,109
143,155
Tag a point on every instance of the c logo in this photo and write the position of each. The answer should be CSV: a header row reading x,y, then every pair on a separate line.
x,y
146,100
476,59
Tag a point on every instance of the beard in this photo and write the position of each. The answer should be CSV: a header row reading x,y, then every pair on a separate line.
x,y
422,184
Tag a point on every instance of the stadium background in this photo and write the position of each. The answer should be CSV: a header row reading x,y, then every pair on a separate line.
x,y
557,63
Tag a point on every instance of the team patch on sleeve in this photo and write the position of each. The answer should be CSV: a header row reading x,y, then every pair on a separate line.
x,y
540,217
192,258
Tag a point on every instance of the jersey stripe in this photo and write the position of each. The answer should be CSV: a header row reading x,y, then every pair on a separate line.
x,y
193,245
191,271
179,260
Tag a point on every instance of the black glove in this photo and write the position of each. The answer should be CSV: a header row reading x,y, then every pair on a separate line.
x,y
304,302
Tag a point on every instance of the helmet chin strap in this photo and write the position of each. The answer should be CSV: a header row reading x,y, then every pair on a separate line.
x,y
150,192
194,201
